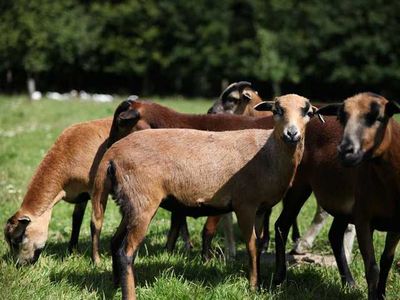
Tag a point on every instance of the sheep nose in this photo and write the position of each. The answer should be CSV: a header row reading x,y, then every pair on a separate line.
x,y
346,148
291,134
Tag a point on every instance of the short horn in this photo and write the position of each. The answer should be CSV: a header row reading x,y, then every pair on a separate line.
x,y
234,86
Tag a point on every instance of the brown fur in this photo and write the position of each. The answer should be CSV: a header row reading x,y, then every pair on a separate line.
x,y
238,170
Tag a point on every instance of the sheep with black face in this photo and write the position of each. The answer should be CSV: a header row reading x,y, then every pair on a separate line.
x,y
370,145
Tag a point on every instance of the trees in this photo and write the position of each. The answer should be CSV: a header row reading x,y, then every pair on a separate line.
x,y
40,36
190,47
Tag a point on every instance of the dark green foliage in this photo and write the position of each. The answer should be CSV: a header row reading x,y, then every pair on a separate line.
x,y
165,46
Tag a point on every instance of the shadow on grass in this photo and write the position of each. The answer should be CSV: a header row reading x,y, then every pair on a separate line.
x,y
98,281
310,284
307,283
153,263
59,250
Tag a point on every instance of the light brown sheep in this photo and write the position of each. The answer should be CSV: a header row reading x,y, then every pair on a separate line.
x,y
66,172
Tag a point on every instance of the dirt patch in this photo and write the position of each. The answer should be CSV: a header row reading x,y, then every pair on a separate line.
x,y
309,258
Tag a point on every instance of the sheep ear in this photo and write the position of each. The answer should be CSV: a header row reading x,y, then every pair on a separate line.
x,y
19,230
24,220
392,107
314,110
264,106
329,110
128,116
246,95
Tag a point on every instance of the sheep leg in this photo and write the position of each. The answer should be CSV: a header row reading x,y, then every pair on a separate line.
x,y
336,234
349,236
245,218
392,239
185,234
99,204
178,224
265,237
116,243
209,231
77,218
305,243
365,242
229,237
136,231
295,231
294,200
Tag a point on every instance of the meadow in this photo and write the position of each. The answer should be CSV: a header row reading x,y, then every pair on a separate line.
x,y
27,130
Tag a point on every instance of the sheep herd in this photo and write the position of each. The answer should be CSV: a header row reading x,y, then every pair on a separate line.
x,y
244,156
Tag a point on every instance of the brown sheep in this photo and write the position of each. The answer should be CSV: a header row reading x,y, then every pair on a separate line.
x,y
370,144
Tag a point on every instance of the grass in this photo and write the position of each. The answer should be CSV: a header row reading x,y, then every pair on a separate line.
x,y
27,130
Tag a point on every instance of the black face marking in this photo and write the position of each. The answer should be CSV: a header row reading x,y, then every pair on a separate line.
x,y
342,115
278,110
373,115
305,110
230,102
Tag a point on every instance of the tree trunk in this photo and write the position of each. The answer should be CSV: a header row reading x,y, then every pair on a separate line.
x,y
224,84
146,84
31,85
276,88
9,76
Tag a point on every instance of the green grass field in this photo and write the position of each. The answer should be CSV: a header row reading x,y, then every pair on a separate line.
x,y
27,130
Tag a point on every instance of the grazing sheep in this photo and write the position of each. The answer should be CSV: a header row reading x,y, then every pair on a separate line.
x,y
66,172
370,143
237,170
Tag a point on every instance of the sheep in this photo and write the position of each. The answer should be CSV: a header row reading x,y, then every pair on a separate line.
x,y
238,171
370,145
66,172
243,104
238,98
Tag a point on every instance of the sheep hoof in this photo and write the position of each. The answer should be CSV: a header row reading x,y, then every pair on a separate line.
x,y
301,247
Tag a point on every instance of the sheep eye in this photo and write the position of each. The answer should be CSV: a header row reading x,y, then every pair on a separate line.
x,y
278,111
230,102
